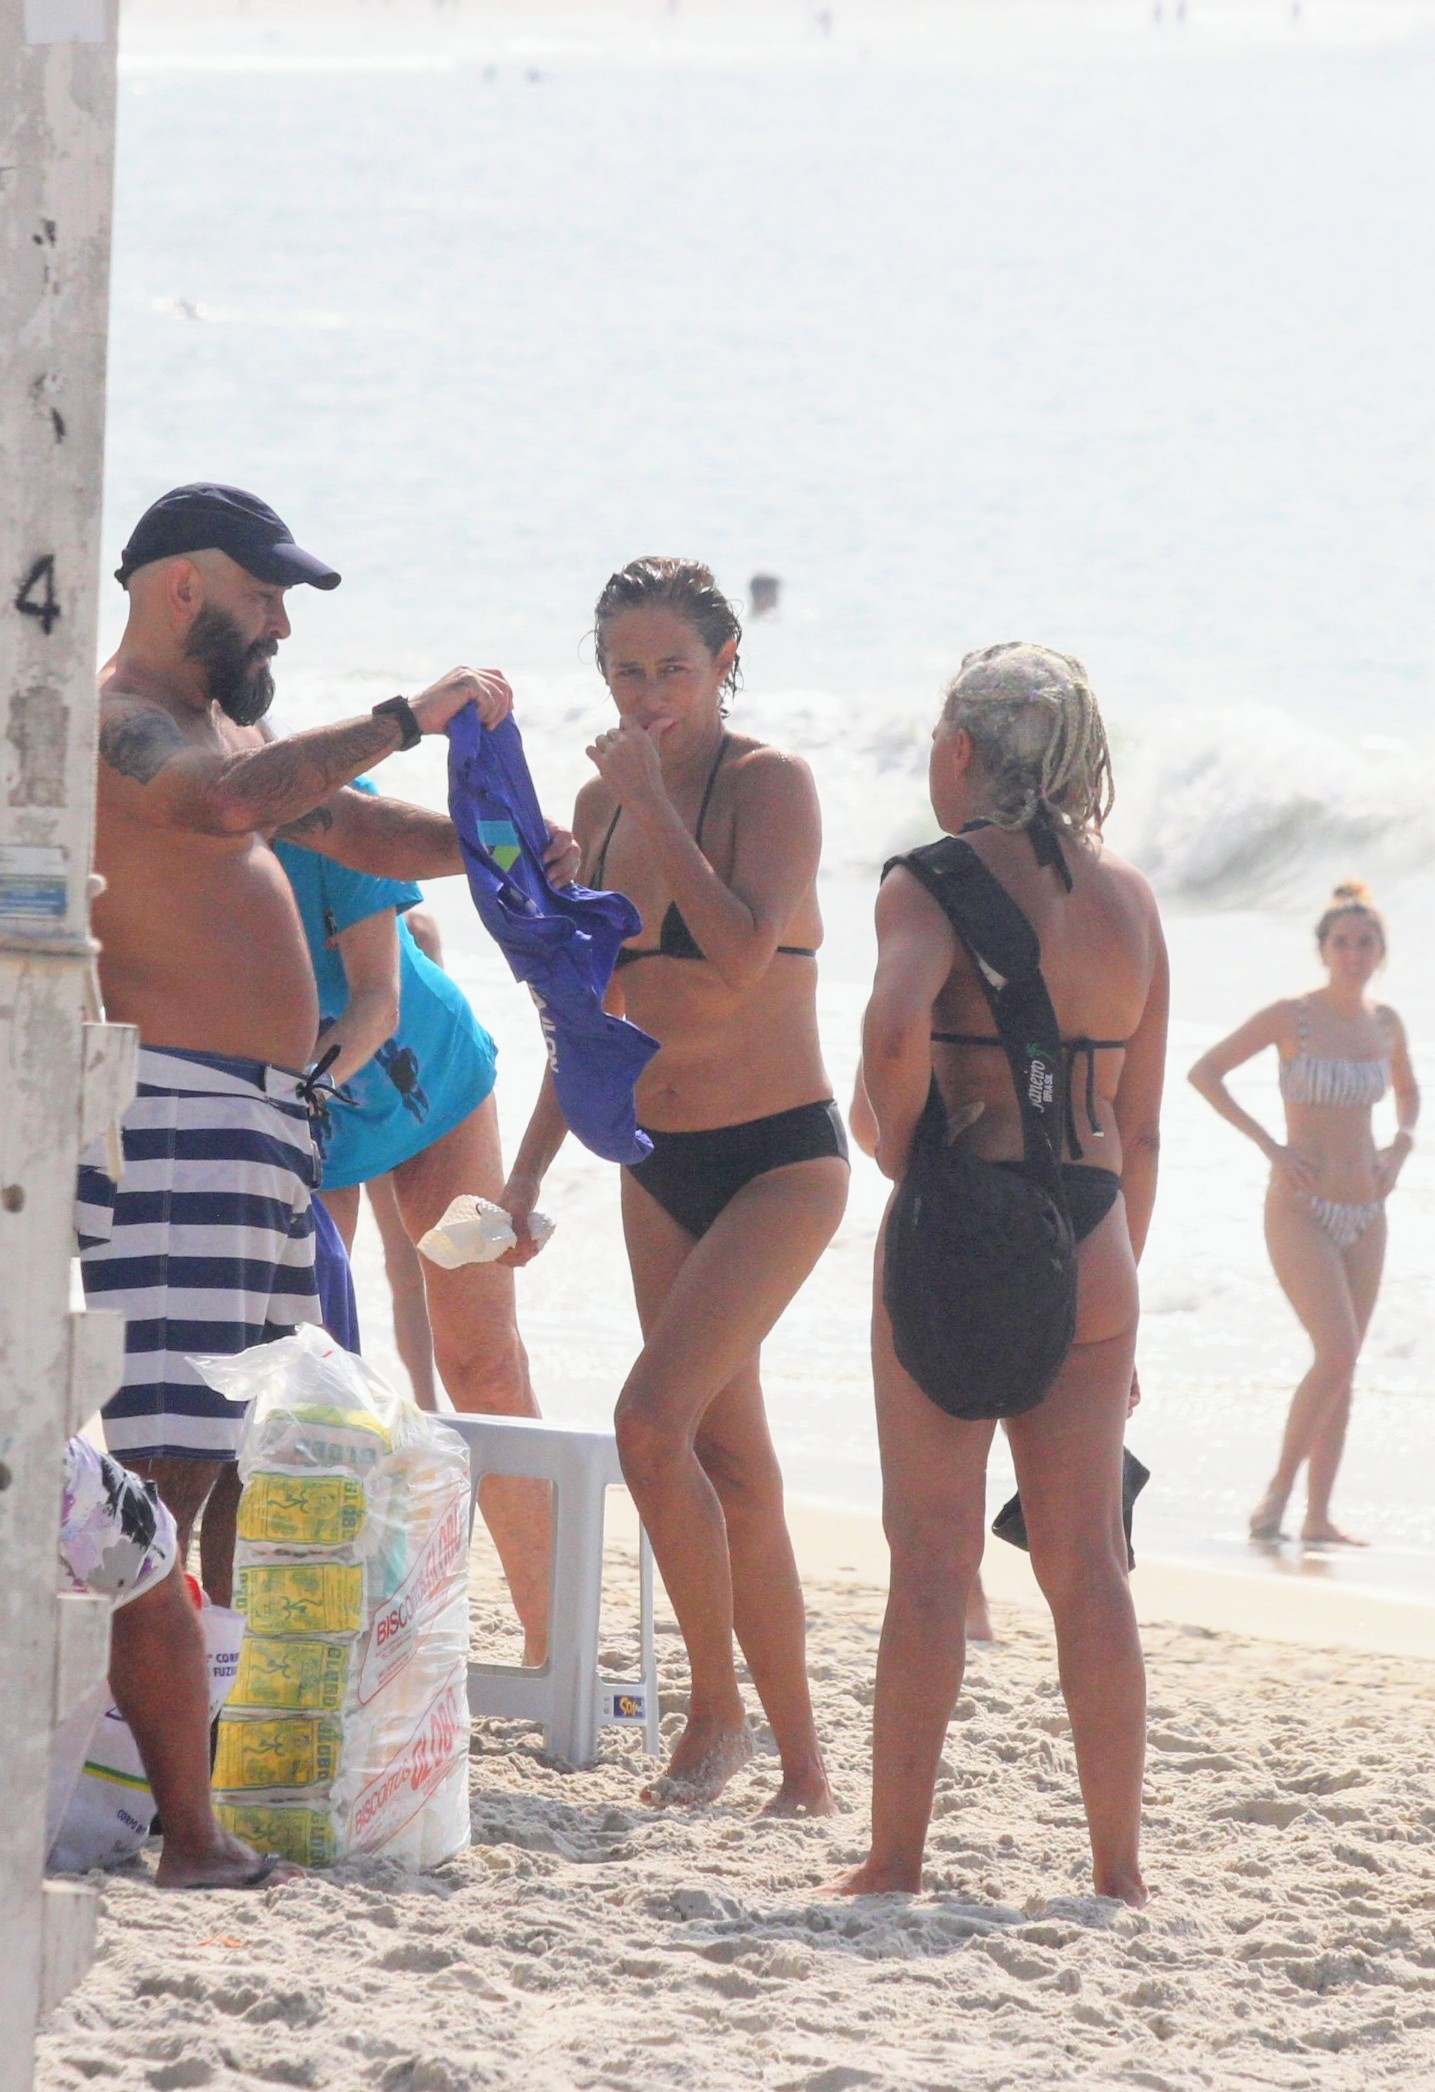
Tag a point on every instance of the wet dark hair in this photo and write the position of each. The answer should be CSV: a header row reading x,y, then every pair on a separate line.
x,y
684,586
1352,897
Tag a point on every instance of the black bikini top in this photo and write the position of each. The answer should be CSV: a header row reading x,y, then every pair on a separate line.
x,y
675,939
1046,847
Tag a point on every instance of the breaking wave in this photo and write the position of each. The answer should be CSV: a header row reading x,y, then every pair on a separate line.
x,y
1245,808
1238,808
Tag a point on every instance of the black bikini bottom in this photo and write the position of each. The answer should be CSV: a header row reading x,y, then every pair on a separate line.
x,y
1090,1194
694,1175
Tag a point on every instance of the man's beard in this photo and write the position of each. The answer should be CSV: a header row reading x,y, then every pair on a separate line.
x,y
237,672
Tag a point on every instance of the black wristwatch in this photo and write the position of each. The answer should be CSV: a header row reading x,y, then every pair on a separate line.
x,y
399,708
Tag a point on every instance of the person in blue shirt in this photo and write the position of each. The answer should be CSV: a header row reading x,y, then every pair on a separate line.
x,y
416,1073
403,1266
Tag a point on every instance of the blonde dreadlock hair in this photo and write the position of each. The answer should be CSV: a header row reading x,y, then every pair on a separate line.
x,y
1037,731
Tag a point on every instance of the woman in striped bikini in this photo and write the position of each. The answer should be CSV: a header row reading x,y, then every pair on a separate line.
x,y
1325,1210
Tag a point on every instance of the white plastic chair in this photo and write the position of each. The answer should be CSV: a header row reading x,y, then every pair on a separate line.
x,y
569,1695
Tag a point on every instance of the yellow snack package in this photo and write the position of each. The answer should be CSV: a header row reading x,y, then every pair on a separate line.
x,y
292,1750
311,1434
296,1833
298,1510
323,1417
285,1671
301,1597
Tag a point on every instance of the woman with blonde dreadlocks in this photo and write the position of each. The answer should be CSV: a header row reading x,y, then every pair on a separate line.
x,y
1021,775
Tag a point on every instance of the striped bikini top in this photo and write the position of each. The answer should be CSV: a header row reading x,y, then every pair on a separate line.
x,y
1315,1078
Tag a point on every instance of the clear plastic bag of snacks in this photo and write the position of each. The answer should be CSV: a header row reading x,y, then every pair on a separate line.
x,y
347,1727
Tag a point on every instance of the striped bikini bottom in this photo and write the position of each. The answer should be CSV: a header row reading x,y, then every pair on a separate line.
x,y
1342,1223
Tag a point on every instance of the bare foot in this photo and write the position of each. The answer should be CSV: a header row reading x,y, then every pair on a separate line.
x,y
701,1766
979,1620
874,1879
228,1863
1321,1533
803,1793
1129,1889
1267,1516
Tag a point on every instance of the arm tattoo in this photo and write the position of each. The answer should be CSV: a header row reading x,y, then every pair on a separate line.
x,y
309,825
138,744
289,780
390,839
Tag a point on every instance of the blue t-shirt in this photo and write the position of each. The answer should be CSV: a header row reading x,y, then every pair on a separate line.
x,y
439,1064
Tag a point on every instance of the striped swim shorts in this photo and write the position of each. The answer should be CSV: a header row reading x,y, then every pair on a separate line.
x,y
205,1245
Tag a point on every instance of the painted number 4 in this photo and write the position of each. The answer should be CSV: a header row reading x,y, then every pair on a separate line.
x,y
37,597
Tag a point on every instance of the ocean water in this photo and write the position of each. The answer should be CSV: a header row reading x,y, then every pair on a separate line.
x,y
970,322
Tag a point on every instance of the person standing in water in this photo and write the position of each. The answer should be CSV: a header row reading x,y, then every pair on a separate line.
x,y
716,838
1325,1208
1020,770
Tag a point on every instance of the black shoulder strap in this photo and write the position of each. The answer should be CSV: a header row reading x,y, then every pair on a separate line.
x,y
708,790
977,906
1007,955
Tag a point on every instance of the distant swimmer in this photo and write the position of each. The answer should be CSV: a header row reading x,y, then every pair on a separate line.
x,y
1325,1209
716,837
1017,1105
762,593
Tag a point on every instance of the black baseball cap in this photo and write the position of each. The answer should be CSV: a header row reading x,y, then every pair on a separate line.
x,y
206,518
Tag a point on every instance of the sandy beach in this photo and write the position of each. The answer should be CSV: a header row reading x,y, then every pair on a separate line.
x,y
584,1942
527,319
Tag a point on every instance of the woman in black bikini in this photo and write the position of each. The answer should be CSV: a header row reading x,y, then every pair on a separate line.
x,y
716,837
1020,768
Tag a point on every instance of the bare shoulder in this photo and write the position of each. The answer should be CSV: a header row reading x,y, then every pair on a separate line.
x,y
137,737
903,902
594,802
1124,879
1388,1017
1280,1014
766,776
1278,1021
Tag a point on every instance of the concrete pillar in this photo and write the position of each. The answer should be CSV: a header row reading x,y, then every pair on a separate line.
x,y
57,95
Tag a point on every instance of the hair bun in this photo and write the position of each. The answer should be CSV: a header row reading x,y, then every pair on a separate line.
x,y
1351,897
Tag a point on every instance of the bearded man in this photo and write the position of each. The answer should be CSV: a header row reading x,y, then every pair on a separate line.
x,y
207,1246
